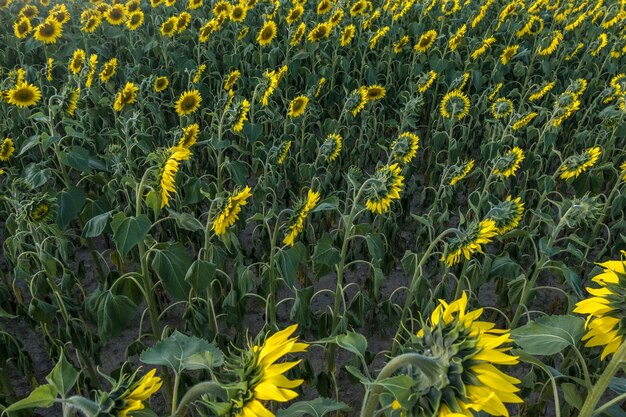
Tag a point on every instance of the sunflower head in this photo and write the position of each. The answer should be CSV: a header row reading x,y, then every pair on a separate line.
x,y
22,27
160,84
298,106
127,96
41,210
188,102
48,31
425,81
455,105
238,12
375,92
583,211
267,33
295,224
319,32
425,41
501,108
282,151
29,11
135,20
405,147
465,351
23,95
331,147
508,164
347,35
190,135
231,80
507,214
222,8
459,171
6,149
116,14
576,164
469,241
229,210
128,395
383,188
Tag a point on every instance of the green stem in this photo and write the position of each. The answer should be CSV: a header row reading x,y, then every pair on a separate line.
x,y
207,387
610,404
601,384
175,392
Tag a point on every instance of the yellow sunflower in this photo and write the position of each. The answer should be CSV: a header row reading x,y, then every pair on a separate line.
x,y
127,96
460,171
231,80
507,214
470,241
267,33
296,223
384,187
294,14
48,31
22,27
190,136
501,108
238,12
72,102
168,172
331,147
135,20
108,70
508,164
298,34
347,35
77,61
319,32
23,95
6,149
168,27
244,109
188,102
133,398
455,105
228,214
577,164
375,92
298,106
405,147
116,14
425,41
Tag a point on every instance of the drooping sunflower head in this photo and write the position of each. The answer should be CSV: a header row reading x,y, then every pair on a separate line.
x,y
578,87
455,105
231,80
127,96
128,395
169,163
508,164
347,35
319,32
459,171
48,31
188,102
425,81
331,147
507,214
605,308
108,70
23,95
384,186
41,210
508,54
239,111
295,224
228,212
466,350
267,33
160,83
470,241
6,149
190,135
298,34
501,108
405,147
72,102
522,120
283,151
576,164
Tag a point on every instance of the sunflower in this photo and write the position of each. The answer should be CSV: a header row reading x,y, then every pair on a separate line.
x,y
622,169
548,48
507,214
564,107
336,18
222,8
466,351
384,187
211,26
380,33
228,213
319,32
605,308
188,102
375,92
501,108
6,149
455,105
263,377
460,171
601,42
456,39
577,88
294,14
405,147
168,27
541,92
231,80
399,45
320,85
523,121
23,95
283,151
243,32
72,103
132,399
22,27
324,6
331,147
244,109
508,164
357,100
108,70
168,172
425,81
29,11
298,34
49,68
508,54
238,12
370,21
190,136
270,82
347,35
480,50
425,41
127,96
116,14
194,4
91,23
135,20
93,62
298,106
360,7
182,21
296,222
267,33
41,210
470,241
198,74
77,61
48,31
133,5
577,164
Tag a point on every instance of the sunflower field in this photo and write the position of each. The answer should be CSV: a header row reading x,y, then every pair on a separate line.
x,y
289,208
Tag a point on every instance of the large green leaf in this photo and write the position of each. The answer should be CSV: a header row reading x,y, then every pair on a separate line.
x,y
114,313
200,275
43,396
96,225
63,376
129,231
171,266
287,261
70,204
317,408
174,351
325,253
549,335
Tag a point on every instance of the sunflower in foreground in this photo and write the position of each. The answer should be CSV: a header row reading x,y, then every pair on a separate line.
x,y
296,223
467,350
229,211
127,96
48,31
130,398
188,102
606,308
23,95
470,241
577,164
168,172
384,187
263,378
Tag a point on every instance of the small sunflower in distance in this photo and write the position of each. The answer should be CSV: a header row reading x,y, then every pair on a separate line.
x,y
425,42
455,105
319,32
298,106
167,175
77,61
405,147
460,171
228,213
521,121
127,96
425,81
242,115
48,31
23,95
507,214
22,27
296,222
231,80
283,151
577,164
470,241
467,350
347,35
160,84
331,147
190,136
263,377
384,187
6,149
108,70
188,102
606,308
375,92
508,164
267,33
168,27
501,108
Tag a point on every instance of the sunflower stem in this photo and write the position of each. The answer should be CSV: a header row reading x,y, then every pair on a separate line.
x,y
602,383
207,387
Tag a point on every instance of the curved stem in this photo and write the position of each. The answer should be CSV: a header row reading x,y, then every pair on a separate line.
x,y
601,384
207,387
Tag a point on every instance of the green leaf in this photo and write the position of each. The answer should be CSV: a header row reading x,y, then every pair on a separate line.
x,y
287,262
353,342
317,408
63,376
329,203
325,253
171,266
43,396
209,359
301,309
200,275
174,350
375,247
252,131
186,221
114,313
76,157
129,231
70,203
572,395
549,335
96,225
